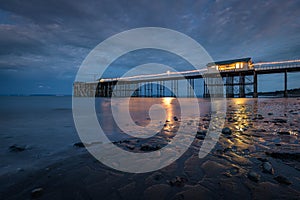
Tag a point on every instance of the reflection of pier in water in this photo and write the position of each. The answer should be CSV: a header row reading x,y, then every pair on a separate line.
x,y
238,78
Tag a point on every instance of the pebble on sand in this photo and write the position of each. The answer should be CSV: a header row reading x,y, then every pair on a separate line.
x,y
177,181
253,176
283,133
258,116
279,120
282,180
20,169
131,147
16,148
226,131
79,144
267,168
201,134
146,147
37,192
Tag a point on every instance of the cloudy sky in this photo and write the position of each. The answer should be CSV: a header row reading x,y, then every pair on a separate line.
x,y
43,43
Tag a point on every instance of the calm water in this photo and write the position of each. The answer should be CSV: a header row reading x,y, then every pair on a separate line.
x,y
44,125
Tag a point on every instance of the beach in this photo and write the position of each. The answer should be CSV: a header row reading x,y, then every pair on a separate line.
x,y
42,157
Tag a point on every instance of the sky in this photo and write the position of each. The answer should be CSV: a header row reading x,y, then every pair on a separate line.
x,y
43,43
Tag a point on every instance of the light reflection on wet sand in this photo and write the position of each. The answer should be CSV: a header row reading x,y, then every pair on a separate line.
x,y
263,130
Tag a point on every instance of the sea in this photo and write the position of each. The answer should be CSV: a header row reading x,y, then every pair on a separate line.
x,y
43,126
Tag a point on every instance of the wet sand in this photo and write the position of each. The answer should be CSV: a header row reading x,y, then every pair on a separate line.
x,y
260,159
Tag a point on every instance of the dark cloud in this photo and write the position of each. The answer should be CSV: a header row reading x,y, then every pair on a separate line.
x,y
53,37
16,41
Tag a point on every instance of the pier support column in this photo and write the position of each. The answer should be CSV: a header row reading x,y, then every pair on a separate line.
x,y
242,86
100,89
229,86
193,88
157,89
255,94
176,88
163,89
190,87
110,89
160,88
285,84
206,91
174,85
151,89
138,90
105,90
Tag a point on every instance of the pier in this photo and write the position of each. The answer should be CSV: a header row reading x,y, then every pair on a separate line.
x,y
239,76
